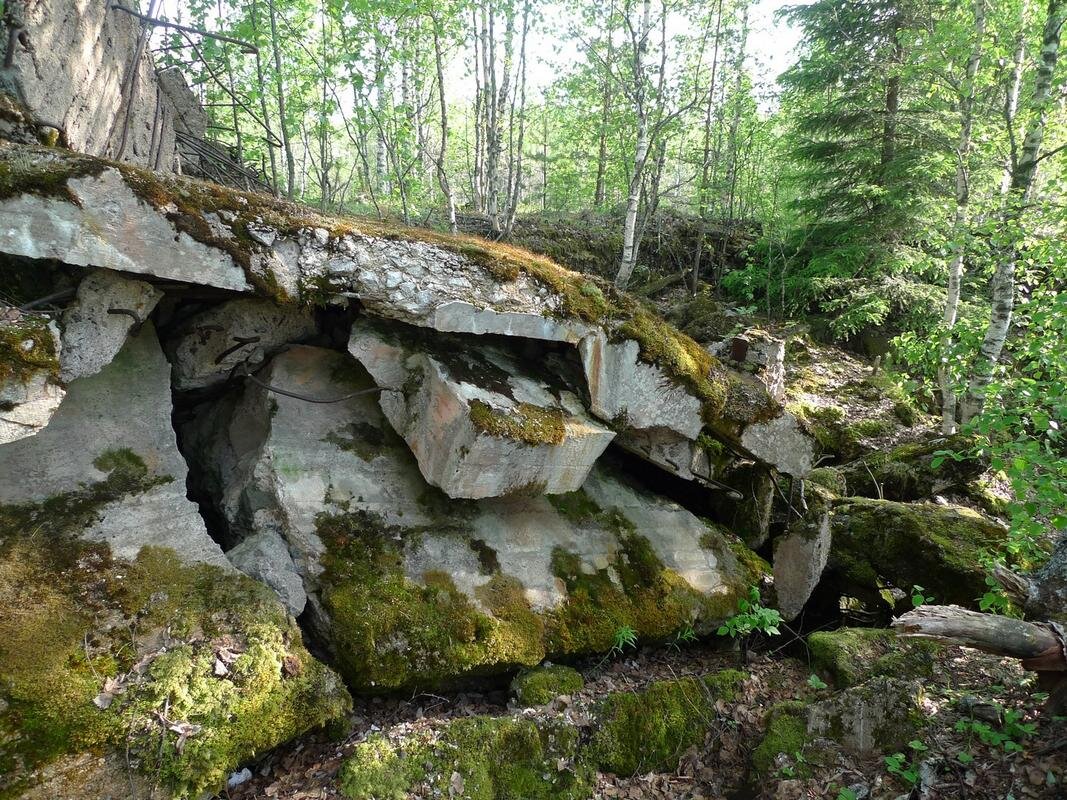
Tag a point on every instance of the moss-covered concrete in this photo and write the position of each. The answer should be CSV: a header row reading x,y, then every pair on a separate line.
x,y
787,734
185,203
392,632
849,656
144,640
941,548
907,473
27,348
649,730
495,758
527,423
540,686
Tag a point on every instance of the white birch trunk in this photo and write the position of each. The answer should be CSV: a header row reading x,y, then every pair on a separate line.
x,y
1021,185
959,222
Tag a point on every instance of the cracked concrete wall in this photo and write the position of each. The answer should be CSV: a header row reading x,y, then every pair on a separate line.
x,y
73,74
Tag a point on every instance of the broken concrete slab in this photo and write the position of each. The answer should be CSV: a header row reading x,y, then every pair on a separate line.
x,y
265,557
339,486
30,391
113,432
801,554
756,352
104,224
479,423
238,332
626,390
782,443
95,325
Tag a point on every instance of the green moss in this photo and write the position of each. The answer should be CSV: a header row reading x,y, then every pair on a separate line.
x,y
680,358
544,684
43,172
786,733
906,472
649,730
941,548
823,423
869,429
496,758
27,348
725,684
527,423
393,633
55,659
576,506
850,656
828,478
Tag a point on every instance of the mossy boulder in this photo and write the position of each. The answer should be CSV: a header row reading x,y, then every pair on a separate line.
x,y
786,735
649,730
882,543
907,473
850,656
880,715
189,671
480,758
544,684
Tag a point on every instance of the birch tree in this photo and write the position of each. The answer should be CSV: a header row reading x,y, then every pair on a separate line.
x,y
1024,171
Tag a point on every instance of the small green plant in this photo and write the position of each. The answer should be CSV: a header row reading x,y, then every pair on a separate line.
x,y
964,757
815,682
624,637
751,618
685,635
846,794
919,596
994,601
898,764
1012,731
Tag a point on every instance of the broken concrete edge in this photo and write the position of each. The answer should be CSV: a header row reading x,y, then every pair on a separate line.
x,y
244,226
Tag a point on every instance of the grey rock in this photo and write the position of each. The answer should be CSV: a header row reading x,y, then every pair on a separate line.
x,y
623,387
28,396
111,227
265,557
76,76
800,556
879,715
92,335
433,396
123,409
781,443
276,463
210,345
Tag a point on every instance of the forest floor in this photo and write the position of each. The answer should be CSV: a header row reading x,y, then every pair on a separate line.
x,y
955,764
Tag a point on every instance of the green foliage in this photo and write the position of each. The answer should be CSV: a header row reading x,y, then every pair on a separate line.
x,y
751,617
624,637
1010,735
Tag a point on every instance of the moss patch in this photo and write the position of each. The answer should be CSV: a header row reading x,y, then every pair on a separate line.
x,y
527,423
143,639
787,733
393,633
27,348
851,655
649,730
907,472
541,686
941,548
496,758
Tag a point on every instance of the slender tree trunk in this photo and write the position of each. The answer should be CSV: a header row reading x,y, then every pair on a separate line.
x,y
476,172
703,190
1011,99
381,153
442,172
599,192
630,244
263,102
959,221
279,85
516,187
1022,182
